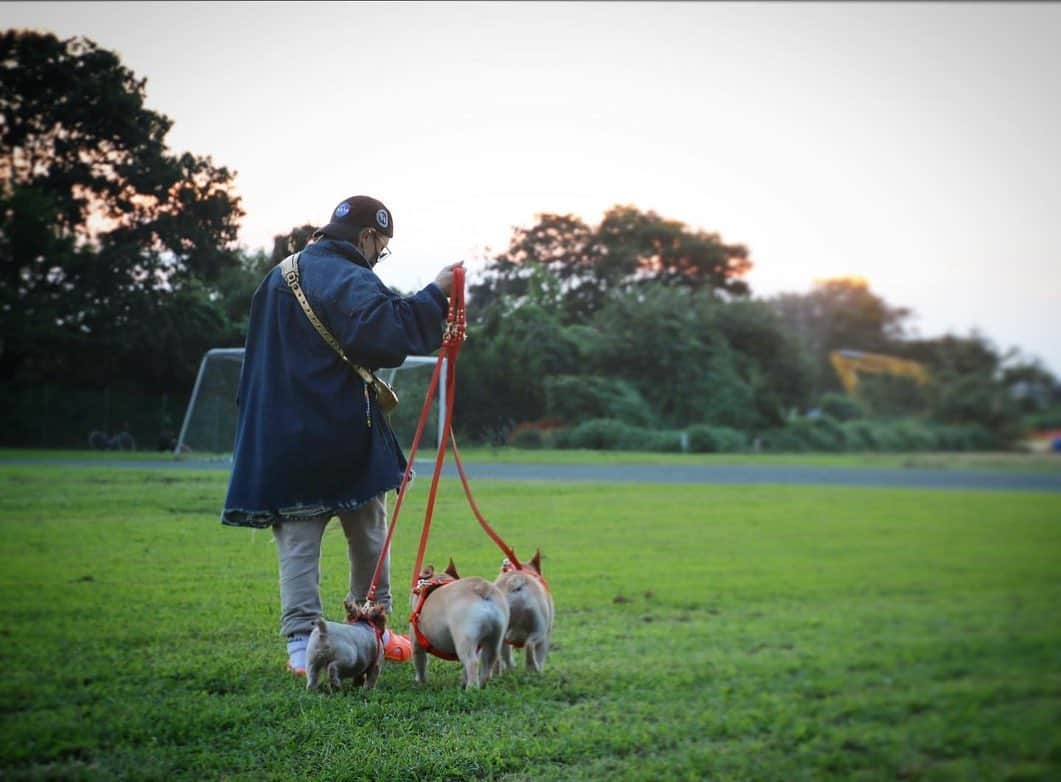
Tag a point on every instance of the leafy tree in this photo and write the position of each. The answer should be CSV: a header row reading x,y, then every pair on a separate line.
x,y
769,357
628,249
285,244
100,221
664,342
503,367
644,246
953,355
1033,386
560,246
840,314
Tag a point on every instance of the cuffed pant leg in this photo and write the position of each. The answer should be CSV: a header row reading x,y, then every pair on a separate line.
x,y
366,531
298,546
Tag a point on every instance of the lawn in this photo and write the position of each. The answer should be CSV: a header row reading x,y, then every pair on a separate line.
x,y
996,461
703,632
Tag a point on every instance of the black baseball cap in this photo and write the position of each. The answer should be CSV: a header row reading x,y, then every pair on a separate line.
x,y
356,213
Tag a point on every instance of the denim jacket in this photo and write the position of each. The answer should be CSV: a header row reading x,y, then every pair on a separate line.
x,y
309,440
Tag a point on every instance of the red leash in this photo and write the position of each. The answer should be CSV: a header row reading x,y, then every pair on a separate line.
x,y
453,338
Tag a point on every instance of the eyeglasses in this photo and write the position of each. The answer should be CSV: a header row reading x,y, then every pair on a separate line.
x,y
383,253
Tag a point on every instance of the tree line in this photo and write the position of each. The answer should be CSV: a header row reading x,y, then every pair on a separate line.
x,y
120,268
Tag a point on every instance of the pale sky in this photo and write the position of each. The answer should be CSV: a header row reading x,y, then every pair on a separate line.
x,y
915,144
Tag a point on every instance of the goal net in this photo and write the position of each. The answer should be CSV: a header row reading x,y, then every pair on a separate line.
x,y
209,426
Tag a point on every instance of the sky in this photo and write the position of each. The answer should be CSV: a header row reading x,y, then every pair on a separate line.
x,y
917,145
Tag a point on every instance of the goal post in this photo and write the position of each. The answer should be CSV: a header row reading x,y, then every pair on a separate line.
x,y
209,425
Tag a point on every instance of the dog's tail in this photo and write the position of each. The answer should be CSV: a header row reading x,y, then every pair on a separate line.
x,y
485,590
322,626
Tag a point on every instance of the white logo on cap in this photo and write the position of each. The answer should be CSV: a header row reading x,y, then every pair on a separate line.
x,y
342,210
381,218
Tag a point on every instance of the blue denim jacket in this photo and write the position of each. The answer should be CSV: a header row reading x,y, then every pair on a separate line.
x,y
304,444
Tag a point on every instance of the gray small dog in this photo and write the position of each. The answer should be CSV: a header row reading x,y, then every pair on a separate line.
x,y
353,650
530,606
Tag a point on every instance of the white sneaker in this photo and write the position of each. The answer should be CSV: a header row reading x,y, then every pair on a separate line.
x,y
296,653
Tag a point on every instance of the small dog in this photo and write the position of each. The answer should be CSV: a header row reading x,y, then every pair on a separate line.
x,y
353,650
530,606
464,618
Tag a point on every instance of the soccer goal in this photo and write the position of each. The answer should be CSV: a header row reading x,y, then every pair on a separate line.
x,y
209,425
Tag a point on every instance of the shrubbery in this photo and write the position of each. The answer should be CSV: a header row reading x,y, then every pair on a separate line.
x,y
716,439
819,434
575,398
604,434
841,406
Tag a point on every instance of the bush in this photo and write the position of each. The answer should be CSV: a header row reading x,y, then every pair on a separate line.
x,y
603,434
841,407
1047,419
890,395
914,436
826,434
807,434
964,437
599,434
531,439
578,398
863,435
661,441
716,439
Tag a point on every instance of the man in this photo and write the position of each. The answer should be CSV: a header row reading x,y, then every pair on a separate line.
x,y
311,439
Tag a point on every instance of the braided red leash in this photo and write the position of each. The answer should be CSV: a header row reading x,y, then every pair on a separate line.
x,y
456,327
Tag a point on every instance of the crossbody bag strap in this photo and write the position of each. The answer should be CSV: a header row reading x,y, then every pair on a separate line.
x,y
289,269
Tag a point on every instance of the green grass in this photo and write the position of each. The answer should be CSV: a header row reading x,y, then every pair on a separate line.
x,y
992,461
703,632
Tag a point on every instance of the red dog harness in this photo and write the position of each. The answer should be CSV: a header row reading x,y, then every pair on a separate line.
x,y
380,648
423,588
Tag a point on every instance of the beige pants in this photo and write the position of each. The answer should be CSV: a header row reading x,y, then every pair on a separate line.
x,y
298,546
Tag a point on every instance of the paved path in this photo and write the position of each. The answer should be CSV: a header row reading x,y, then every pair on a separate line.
x,y
683,473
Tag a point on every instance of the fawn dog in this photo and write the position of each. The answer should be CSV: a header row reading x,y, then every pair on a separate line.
x,y
457,619
530,606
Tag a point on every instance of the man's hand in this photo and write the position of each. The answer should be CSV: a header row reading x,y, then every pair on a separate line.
x,y
444,280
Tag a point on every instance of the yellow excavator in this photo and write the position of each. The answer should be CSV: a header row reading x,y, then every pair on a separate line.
x,y
849,363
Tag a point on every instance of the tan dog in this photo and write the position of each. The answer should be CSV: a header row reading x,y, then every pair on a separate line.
x,y
353,650
530,606
461,618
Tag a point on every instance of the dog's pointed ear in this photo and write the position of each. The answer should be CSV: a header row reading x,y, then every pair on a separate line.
x,y
353,610
451,569
428,572
536,560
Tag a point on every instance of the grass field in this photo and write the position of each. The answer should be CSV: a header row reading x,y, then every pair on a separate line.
x,y
703,632
1009,461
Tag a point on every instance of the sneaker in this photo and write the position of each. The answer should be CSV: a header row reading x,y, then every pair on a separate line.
x,y
296,654
396,647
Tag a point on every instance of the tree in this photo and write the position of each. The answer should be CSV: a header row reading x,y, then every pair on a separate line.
x,y
503,368
291,242
628,249
559,246
665,342
99,220
840,314
644,246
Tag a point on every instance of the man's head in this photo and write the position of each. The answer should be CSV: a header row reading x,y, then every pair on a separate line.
x,y
365,222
